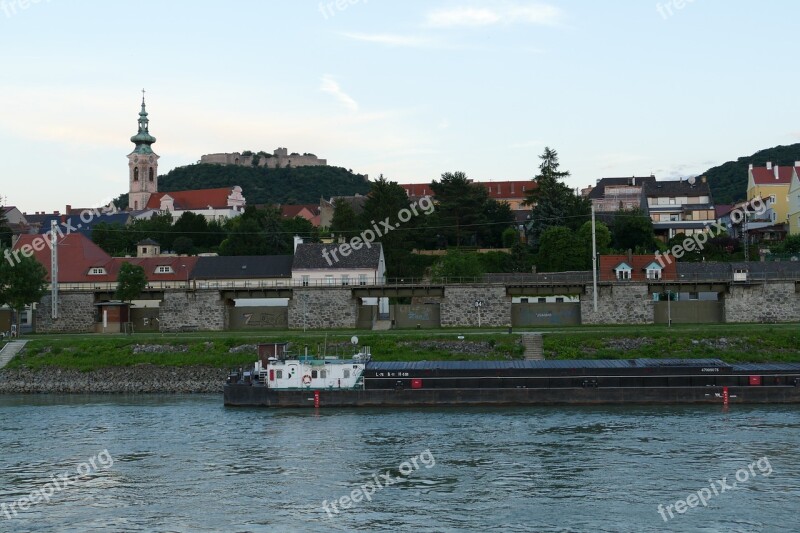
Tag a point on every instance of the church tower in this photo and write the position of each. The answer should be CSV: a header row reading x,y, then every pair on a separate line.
x,y
142,165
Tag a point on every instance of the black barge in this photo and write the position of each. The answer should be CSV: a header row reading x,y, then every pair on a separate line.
x,y
554,382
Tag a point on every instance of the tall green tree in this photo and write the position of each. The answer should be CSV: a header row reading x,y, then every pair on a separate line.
x,y
22,283
131,281
561,250
555,203
602,236
460,210
345,221
457,265
633,230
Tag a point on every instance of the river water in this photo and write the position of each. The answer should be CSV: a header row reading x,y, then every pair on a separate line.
x,y
186,463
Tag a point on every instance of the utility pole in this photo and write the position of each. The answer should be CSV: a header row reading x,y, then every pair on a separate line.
x,y
54,268
594,261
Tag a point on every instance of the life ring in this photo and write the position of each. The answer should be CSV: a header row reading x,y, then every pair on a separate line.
x,y
306,380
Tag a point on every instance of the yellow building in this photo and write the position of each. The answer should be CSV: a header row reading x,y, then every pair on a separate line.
x,y
771,184
794,204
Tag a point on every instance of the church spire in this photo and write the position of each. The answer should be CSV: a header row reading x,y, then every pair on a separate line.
x,y
143,139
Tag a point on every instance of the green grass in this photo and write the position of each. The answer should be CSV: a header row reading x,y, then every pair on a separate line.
x,y
745,342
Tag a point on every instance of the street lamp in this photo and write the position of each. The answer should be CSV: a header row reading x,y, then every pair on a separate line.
x,y
669,308
478,305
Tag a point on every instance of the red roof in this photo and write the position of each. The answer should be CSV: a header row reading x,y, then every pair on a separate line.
x,y
77,255
638,264
199,199
306,211
497,189
765,176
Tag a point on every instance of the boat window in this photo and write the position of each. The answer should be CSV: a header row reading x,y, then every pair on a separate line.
x,y
346,373
313,374
323,374
279,374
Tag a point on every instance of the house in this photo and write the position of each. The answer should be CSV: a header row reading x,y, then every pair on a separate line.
x,y
772,184
514,193
635,268
310,212
679,206
214,204
16,220
619,194
243,272
82,265
326,207
325,265
794,203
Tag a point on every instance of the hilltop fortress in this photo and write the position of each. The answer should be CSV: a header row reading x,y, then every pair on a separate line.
x,y
280,158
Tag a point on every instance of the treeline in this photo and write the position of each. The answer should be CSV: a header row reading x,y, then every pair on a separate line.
x,y
463,215
261,185
255,232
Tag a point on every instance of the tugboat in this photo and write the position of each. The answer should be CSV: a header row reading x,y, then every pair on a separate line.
x,y
281,380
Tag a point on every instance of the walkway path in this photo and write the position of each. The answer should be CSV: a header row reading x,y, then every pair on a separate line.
x,y
10,350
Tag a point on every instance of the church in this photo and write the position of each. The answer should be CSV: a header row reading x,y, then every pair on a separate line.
x,y
143,195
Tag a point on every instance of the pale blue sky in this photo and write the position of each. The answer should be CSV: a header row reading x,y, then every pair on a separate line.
x,y
410,89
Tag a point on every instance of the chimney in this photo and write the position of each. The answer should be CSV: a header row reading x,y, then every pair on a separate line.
x,y
703,179
630,257
769,165
750,166
777,173
68,210
297,240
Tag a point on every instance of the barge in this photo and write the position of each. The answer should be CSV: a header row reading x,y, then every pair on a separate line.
x,y
278,380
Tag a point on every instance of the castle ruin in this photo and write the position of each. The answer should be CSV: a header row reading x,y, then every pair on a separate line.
x,y
280,158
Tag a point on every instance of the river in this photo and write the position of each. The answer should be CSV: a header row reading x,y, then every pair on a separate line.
x,y
186,463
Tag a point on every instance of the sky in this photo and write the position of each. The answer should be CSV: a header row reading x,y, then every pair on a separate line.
x,y
408,89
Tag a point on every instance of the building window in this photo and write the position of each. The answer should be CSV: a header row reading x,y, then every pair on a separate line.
x,y
97,271
164,269
345,279
694,296
559,300
542,300
362,279
136,174
771,200
329,280
151,174
653,273
623,274
306,280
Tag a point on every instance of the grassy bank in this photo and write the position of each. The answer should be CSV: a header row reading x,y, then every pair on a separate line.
x,y
756,343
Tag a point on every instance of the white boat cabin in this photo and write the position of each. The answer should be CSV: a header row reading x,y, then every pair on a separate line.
x,y
310,373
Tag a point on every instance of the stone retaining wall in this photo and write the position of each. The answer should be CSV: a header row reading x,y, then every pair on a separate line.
x,y
458,308
767,302
76,314
619,303
323,308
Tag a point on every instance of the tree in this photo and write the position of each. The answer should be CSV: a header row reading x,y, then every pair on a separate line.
x,y
602,237
461,209
5,230
560,250
21,284
131,281
510,237
633,230
183,245
344,221
789,246
456,264
555,203
244,238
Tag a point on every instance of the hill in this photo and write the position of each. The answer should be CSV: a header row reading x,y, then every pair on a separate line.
x,y
301,185
729,181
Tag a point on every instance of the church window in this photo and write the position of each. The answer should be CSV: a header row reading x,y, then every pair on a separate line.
x,y
151,174
136,174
